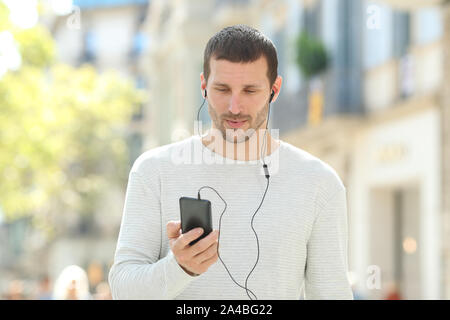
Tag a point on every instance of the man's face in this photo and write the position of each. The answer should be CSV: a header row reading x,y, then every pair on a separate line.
x,y
239,92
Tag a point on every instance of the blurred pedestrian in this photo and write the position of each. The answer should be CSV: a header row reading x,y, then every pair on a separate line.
x,y
353,279
95,274
393,292
102,291
15,290
72,284
44,289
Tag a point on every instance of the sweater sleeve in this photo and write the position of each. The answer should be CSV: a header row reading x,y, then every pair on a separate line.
x,y
138,271
326,266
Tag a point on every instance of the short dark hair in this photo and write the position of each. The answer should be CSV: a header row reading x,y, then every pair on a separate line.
x,y
241,43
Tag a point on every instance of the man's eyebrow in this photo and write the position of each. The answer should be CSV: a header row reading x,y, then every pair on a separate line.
x,y
220,84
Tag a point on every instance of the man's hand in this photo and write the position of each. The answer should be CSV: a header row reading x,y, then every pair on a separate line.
x,y
195,259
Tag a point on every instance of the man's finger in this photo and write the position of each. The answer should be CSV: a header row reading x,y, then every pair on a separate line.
x,y
207,254
173,229
190,236
206,242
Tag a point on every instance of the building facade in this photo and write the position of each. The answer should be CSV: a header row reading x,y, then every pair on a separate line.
x,y
389,156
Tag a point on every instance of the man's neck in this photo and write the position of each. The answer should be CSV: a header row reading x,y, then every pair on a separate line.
x,y
244,151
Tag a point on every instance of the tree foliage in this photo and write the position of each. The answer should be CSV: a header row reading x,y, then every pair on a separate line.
x,y
312,57
62,131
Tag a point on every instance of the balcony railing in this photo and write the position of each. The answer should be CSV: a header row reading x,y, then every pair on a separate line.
x,y
418,73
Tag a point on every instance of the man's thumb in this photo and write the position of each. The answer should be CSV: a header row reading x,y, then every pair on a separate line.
x,y
173,229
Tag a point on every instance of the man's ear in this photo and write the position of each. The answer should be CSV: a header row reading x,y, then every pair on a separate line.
x,y
277,86
203,85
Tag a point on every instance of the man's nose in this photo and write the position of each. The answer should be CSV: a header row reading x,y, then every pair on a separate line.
x,y
234,106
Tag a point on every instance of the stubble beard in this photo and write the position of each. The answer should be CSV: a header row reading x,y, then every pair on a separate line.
x,y
238,135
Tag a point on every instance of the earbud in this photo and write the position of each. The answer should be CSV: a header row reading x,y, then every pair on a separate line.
x,y
205,93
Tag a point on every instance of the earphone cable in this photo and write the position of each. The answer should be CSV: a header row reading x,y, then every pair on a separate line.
x,y
220,219
218,244
267,186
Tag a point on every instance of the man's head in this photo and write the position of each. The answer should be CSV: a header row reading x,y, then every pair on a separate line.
x,y
239,74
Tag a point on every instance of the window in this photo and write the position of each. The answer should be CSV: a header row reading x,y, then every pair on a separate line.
x,y
377,39
135,144
140,84
429,26
139,44
401,33
89,47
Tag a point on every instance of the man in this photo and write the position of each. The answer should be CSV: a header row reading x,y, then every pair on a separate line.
x,y
300,227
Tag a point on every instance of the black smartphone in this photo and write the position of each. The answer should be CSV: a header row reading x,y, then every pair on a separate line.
x,y
195,213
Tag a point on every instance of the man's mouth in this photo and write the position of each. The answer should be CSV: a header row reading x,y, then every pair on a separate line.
x,y
235,124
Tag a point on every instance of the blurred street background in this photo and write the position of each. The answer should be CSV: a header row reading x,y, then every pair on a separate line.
x,y
87,86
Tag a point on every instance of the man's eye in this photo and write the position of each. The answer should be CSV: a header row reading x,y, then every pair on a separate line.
x,y
225,90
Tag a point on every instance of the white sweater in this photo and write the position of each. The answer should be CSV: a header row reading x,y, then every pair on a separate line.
x,y
301,226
